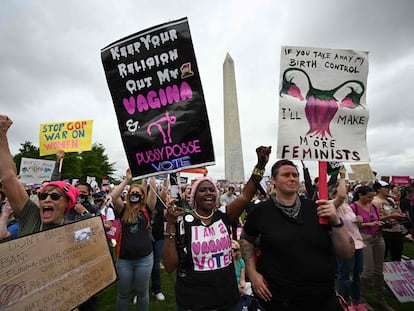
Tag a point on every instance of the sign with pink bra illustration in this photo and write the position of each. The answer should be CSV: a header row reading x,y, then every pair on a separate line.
x,y
323,115
158,98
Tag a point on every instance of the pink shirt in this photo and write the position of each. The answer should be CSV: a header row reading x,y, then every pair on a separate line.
x,y
372,215
348,217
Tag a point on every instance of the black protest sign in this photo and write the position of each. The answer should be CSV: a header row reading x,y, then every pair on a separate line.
x,y
158,98
334,167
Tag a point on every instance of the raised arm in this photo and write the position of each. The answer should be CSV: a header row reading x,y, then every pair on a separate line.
x,y
117,191
341,189
14,190
308,181
152,196
235,208
170,251
56,174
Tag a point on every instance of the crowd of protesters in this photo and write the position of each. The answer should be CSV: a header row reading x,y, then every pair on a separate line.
x,y
267,231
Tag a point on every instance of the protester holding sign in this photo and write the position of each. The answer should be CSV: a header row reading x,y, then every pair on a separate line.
x,y
349,270
198,245
294,270
134,245
55,198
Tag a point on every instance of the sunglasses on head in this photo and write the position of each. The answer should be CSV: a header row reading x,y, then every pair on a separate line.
x,y
54,196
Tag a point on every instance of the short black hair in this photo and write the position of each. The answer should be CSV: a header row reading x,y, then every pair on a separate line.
x,y
279,164
84,183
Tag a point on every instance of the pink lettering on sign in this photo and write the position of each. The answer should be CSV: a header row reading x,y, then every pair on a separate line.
x,y
63,144
169,157
168,120
211,247
154,100
403,287
167,152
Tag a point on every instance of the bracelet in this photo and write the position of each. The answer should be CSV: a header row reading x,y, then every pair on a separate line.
x,y
169,235
258,171
340,225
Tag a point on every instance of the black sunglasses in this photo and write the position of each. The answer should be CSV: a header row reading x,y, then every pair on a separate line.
x,y
235,249
54,196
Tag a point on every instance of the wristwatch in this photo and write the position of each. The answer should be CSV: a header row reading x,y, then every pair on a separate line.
x,y
340,225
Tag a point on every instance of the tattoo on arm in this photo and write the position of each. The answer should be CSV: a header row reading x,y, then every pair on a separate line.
x,y
247,249
351,241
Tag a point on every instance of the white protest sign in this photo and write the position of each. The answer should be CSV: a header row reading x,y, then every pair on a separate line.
x,y
35,171
399,276
323,114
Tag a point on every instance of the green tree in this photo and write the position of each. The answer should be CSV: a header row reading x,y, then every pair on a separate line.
x,y
95,163
72,166
27,150
76,165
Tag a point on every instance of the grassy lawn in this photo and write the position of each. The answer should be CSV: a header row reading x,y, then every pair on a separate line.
x,y
107,298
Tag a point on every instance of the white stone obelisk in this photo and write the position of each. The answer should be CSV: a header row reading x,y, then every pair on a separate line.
x,y
233,154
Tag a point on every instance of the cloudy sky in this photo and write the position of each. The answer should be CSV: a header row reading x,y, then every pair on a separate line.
x,y
51,70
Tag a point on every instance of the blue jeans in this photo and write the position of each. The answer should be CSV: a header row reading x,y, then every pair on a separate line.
x,y
157,247
349,276
133,273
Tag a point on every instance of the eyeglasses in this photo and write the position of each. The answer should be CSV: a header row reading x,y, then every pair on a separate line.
x,y
54,196
235,249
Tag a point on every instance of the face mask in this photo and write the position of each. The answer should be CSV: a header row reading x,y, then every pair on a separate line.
x,y
135,198
82,199
98,202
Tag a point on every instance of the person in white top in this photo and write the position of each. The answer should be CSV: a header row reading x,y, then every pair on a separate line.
x,y
349,270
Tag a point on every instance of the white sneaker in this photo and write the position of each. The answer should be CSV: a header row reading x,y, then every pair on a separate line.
x,y
159,297
134,301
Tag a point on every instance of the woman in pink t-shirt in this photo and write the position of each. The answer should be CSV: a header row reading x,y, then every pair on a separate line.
x,y
374,251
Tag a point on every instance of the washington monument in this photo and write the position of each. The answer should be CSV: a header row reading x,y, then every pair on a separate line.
x,y
233,154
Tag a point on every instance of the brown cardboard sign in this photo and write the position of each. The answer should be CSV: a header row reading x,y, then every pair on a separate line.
x,y
57,269
363,172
